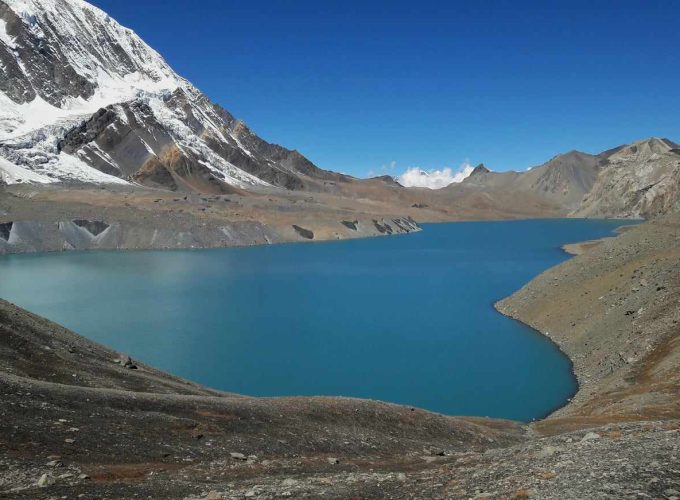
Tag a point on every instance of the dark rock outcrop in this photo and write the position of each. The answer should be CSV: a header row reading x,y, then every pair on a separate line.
x,y
480,169
305,233
5,230
95,228
383,228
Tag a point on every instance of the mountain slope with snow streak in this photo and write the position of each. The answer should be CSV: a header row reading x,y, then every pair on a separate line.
x,y
84,99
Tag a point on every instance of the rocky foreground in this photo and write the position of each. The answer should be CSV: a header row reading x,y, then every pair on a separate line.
x,y
80,421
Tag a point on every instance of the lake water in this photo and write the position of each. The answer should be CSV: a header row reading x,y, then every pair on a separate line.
x,y
407,319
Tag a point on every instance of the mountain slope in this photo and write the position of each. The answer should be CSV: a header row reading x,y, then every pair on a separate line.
x,y
565,178
561,182
638,180
641,179
84,99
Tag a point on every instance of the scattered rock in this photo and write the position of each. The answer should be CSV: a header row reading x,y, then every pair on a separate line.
x,y
44,481
333,460
126,362
591,436
238,456
548,451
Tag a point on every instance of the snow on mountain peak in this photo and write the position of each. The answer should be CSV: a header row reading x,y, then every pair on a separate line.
x,y
104,62
96,44
61,61
84,99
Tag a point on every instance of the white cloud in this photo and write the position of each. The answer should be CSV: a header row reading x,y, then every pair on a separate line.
x,y
434,179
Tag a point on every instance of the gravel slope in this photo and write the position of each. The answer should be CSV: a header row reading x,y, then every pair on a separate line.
x,y
76,421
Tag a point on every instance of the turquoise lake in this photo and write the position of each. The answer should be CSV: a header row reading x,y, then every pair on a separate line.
x,y
406,319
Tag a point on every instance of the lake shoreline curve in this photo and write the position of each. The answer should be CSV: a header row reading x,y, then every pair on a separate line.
x,y
120,428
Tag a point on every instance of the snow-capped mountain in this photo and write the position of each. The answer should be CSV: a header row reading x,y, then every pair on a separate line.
x,y
84,99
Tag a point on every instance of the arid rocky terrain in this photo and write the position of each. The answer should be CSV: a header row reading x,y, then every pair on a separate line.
x,y
635,181
614,311
79,419
104,146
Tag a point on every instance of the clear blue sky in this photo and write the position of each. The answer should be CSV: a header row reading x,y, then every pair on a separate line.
x,y
358,84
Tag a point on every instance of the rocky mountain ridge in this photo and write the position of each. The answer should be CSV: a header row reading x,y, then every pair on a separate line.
x,y
634,180
85,100
638,180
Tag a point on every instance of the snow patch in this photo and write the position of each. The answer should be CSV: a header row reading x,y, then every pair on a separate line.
x,y
5,37
61,168
14,174
17,120
87,36
69,167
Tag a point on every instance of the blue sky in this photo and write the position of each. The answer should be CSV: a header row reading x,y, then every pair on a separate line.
x,y
358,85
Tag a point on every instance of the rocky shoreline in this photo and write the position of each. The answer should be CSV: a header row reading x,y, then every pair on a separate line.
x,y
118,431
611,310
579,247
40,219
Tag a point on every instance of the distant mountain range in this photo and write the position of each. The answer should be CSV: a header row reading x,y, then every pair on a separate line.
x,y
635,180
83,100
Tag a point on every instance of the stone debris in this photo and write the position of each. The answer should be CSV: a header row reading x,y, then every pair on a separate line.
x,y
126,361
591,436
